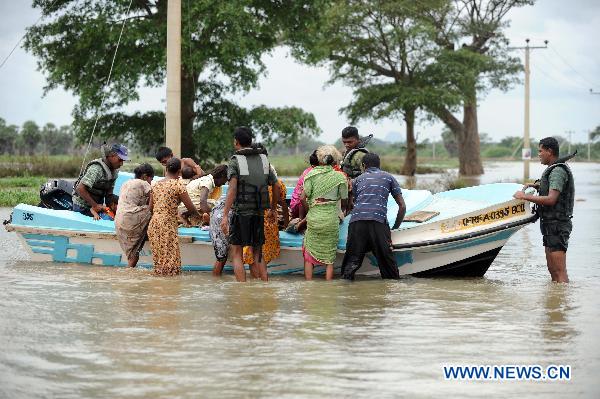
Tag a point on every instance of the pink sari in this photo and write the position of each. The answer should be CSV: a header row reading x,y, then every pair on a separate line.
x,y
295,201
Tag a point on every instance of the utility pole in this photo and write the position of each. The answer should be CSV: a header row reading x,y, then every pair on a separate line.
x,y
526,155
589,145
570,133
173,139
433,148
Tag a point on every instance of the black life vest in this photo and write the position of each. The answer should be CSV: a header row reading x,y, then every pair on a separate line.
x,y
253,180
563,209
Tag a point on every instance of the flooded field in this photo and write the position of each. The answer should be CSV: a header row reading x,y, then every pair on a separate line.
x,y
74,331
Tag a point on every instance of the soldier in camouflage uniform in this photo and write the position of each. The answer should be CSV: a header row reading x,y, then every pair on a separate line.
x,y
555,201
352,161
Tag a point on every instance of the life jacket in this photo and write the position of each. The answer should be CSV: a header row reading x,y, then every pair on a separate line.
x,y
101,187
253,180
563,209
352,171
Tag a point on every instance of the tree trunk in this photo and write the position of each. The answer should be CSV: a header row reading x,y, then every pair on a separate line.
x,y
469,156
467,135
188,115
410,160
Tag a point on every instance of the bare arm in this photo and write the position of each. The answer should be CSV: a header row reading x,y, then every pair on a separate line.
x,y
197,169
204,200
401,210
185,198
545,200
151,203
231,194
82,190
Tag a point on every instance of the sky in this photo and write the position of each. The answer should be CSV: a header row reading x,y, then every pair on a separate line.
x,y
561,77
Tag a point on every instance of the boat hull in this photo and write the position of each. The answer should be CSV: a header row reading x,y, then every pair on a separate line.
x,y
465,257
470,227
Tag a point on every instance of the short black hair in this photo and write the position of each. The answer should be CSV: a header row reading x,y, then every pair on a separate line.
x,y
173,165
550,143
243,135
111,199
163,152
371,160
219,172
143,169
350,131
187,172
313,160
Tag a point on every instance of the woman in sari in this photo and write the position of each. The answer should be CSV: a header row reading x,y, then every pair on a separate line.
x,y
324,189
162,230
133,213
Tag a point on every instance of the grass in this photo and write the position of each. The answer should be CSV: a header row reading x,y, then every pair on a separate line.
x,y
20,190
64,166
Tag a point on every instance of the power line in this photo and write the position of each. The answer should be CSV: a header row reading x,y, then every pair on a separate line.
x,y
23,37
573,69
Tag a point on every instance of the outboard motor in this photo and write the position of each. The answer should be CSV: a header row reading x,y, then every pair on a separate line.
x,y
57,194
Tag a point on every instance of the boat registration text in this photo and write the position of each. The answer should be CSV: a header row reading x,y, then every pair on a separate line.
x,y
483,218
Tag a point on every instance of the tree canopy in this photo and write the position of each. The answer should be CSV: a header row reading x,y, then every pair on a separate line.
x,y
222,46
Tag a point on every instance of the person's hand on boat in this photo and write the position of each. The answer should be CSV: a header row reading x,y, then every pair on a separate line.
x,y
519,195
95,214
97,208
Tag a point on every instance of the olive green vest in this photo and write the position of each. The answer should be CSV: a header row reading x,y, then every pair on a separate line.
x,y
101,187
353,171
563,209
253,182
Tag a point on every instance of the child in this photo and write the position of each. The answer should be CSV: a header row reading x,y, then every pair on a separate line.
x,y
110,210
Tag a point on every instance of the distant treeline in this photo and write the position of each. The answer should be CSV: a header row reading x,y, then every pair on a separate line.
x,y
31,139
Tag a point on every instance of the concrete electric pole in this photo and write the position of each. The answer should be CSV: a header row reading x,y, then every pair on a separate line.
x,y
526,155
173,139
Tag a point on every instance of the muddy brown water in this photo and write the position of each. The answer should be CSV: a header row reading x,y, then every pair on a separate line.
x,y
74,331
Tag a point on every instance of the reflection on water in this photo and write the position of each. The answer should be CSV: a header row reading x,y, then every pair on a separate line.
x,y
82,331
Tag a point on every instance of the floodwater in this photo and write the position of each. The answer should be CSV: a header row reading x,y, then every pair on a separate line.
x,y
74,331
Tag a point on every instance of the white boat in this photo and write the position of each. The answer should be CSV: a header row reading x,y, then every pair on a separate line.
x,y
468,230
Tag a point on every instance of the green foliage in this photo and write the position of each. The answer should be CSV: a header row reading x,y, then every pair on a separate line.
x,y
497,152
25,190
222,46
8,137
31,136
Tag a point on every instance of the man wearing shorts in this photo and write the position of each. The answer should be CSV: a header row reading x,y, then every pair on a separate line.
x,y
249,175
555,201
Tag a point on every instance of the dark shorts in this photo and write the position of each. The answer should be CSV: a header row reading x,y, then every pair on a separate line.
x,y
556,234
247,230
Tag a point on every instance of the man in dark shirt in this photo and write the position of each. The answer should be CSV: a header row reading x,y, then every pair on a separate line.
x,y
369,230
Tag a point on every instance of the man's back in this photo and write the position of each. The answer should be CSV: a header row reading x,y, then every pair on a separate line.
x,y
371,192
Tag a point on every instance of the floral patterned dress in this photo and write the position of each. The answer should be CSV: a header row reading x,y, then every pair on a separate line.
x,y
162,231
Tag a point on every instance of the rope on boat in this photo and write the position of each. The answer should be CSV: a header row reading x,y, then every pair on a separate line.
x,y
112,64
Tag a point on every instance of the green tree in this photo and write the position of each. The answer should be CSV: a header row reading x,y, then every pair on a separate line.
x,y
382,49
475,59
595,134
222,46
56,141
450,143
30,134
8,137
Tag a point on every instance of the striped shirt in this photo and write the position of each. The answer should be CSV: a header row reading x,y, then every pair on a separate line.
x,y
371,191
